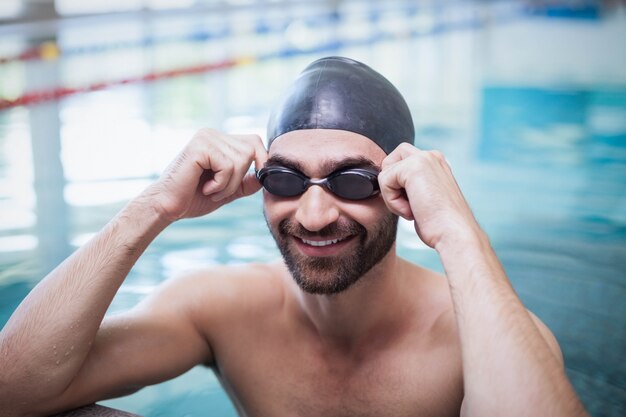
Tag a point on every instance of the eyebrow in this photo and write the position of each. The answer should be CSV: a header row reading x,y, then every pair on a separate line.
x,y
327,166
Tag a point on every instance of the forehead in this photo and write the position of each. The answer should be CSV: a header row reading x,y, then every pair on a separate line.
x,y
311,147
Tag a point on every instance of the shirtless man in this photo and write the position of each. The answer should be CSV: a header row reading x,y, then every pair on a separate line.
x,y
342,326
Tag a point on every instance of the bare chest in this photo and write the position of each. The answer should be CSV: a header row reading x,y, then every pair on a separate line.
x,y
299,382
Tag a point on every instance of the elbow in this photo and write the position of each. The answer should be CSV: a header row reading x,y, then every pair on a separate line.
x,y
17,397
11,403
9,407
7,388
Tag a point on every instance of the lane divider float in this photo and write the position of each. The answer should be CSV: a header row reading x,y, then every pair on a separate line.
x,y
42,96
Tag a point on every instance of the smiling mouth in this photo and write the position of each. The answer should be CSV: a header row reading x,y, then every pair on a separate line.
x,y
319,243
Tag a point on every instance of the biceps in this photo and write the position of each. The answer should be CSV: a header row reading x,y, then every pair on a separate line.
x,y
135,350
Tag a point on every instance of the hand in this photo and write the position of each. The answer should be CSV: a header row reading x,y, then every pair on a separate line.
x,y
419,185
212,170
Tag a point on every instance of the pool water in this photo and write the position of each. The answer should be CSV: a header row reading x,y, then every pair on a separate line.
x,y
529,109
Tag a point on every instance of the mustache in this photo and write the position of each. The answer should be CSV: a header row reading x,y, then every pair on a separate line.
x,y
344,228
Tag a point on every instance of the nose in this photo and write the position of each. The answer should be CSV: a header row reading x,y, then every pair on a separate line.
x,y
316,209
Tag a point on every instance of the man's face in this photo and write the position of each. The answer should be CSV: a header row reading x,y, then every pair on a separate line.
x,y
328,242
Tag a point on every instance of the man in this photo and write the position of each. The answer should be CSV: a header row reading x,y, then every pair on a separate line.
x,y
342,326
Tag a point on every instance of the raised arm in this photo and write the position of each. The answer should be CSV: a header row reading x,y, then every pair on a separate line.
x,y
512,365
54,353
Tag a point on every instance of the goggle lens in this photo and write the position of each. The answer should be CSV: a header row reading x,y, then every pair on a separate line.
x,y
351,184
284,184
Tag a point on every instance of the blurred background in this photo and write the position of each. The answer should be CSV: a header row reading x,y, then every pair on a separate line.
x,y
526,99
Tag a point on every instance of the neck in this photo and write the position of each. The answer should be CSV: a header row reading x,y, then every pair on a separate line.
x,y
369,311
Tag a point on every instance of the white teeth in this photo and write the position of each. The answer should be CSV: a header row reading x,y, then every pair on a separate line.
x,y
321,242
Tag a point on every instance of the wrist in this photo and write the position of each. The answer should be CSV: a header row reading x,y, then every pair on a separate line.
x,y
468,259
146,211
150,202
462,240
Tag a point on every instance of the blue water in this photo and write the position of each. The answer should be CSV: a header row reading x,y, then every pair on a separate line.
x,y
530,111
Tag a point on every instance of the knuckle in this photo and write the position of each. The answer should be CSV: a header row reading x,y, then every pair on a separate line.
x,y
206,132
384,175
416,160
240,145
438,155
426,157
382,180
250,149
253,137
229,165
216,157
222,166
202,140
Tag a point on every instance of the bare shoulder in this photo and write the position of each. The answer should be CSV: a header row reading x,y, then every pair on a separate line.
x,y
223,292
432,286
435,293
432,293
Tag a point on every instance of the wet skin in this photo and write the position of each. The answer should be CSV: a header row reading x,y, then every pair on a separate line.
x,y
400,341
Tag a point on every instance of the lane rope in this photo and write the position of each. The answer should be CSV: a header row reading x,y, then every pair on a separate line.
x,y
50,50
53,94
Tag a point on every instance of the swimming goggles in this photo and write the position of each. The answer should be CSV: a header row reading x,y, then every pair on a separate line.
x,y
351,183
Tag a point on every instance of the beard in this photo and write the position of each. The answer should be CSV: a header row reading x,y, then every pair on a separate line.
x,y
334,274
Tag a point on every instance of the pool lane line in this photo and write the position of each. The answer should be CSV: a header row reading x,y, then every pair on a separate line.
x,y
50,50
38,97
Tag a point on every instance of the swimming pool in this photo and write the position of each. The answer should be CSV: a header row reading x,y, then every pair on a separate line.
x,y
529,110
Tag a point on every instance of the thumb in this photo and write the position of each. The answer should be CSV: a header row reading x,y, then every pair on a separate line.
x,y
398,204
249,184
394,194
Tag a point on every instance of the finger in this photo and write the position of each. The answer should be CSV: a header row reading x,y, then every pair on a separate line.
x,y
234,182
258,149
398,205
205,177
240,150
250,184
260,153
244,181
242,154
402,151
205,150
393,193
222,171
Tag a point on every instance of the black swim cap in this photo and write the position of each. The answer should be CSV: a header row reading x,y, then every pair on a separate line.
x,y
344,94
